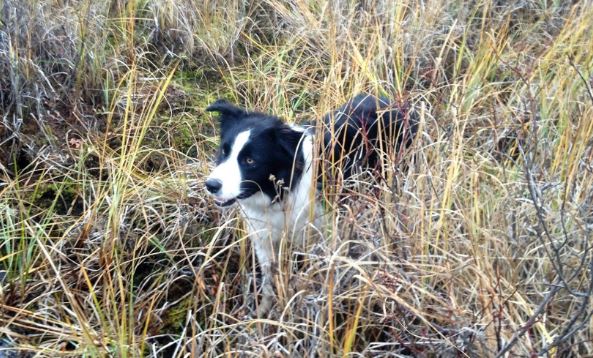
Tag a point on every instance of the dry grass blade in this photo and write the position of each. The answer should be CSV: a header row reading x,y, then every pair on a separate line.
x,y
477,241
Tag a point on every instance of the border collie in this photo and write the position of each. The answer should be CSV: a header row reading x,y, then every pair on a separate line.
x,y
270,168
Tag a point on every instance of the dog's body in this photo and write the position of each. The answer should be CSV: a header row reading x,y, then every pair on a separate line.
x,y
268,167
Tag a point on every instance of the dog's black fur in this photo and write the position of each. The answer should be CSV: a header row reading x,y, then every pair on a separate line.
x,y
364,127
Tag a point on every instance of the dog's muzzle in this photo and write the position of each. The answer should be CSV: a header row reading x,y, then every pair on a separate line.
x,y
213,186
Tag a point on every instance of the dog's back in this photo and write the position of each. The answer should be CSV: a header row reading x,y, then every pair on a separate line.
x,y
358,132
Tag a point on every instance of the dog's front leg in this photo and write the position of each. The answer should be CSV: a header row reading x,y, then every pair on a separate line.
x,y
267,290
264,250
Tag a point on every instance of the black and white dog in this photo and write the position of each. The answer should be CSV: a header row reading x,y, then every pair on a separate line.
x,y
270,168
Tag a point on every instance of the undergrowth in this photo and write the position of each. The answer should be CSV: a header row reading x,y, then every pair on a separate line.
x,y
474,242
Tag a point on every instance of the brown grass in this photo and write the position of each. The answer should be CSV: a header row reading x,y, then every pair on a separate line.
x,y
477,242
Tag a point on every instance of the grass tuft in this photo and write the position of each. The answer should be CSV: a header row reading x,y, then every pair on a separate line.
x,y
474,242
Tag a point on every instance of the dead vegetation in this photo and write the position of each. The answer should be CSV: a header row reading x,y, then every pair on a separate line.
x,y
476,242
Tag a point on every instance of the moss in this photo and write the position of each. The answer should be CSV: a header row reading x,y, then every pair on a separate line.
x,y
204,85
63,197
184,138
182,127
175,317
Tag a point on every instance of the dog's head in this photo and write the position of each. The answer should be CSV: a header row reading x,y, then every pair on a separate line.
x,y
257,153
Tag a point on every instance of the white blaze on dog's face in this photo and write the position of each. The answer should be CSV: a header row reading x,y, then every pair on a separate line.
x,y
228,170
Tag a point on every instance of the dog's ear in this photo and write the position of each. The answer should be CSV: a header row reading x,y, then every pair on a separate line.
x,y
287,139
226,109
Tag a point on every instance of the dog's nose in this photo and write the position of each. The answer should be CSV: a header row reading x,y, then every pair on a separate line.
x,y
213,185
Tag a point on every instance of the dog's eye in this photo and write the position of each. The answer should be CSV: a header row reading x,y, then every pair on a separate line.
x,y
249,161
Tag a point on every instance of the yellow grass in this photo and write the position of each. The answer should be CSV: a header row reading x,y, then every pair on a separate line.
x,y
475,242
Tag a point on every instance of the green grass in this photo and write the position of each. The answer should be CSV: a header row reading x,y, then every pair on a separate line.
x,y
477,243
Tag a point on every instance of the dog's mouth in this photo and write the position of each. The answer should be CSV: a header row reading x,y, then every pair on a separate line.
x,y
224,203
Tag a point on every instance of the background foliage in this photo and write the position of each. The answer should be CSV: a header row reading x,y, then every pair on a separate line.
x,y
476,242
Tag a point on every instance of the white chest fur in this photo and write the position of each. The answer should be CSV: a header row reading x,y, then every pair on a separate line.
x,y
268,223
272,221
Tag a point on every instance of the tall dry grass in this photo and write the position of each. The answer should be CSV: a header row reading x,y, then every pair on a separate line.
x,y
475,242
